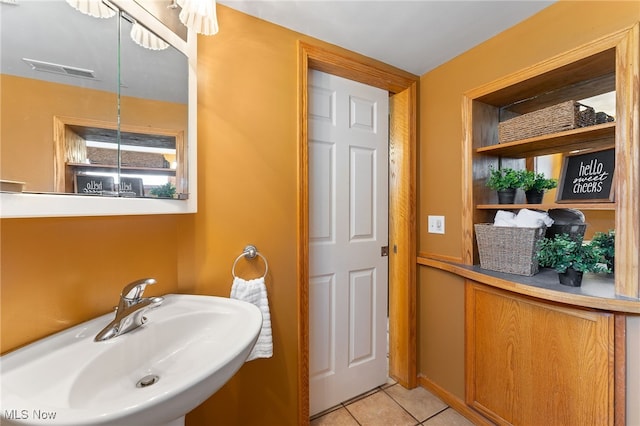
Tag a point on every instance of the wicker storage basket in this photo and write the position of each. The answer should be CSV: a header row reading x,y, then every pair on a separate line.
x,y
508,249
556,118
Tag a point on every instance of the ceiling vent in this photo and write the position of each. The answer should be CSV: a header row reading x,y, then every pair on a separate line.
x,y
59,69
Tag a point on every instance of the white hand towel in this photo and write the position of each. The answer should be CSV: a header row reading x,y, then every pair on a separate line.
x,y
504,218
531,219
254,291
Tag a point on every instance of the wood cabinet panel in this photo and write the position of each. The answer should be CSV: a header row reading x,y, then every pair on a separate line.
x,y
531,363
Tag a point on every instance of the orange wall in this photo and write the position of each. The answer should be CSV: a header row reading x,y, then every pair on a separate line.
x,y
248,194
28,108
247,177
558,28
59,272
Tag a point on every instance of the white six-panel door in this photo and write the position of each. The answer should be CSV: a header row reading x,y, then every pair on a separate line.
x,y
348,226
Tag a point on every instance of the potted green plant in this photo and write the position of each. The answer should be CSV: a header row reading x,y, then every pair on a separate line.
x,y
606,241
505,181
164,191
570,257
535,184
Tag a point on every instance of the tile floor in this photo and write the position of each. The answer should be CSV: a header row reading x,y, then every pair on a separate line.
x,y
392,405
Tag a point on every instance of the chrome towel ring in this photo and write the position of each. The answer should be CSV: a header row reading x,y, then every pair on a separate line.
x,y
250,252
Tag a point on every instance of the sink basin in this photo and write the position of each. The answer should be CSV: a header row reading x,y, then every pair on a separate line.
x,y
188,348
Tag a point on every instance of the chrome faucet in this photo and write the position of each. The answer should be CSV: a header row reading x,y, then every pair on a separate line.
x,y
130,311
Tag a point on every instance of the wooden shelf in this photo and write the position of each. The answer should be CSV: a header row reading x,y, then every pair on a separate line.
x,y
579,206
126,169
599,136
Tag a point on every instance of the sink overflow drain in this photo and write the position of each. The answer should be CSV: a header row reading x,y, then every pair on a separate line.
x,y
147,381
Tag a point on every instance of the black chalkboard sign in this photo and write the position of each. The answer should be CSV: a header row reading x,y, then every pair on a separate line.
x,y
94,185
587,177
131,187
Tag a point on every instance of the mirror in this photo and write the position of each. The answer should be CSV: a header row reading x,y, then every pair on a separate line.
x,y
87,110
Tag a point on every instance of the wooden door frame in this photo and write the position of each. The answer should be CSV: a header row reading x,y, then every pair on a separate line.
x,y
402,207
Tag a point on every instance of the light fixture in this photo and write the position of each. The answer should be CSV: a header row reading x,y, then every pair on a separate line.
x,y
95,8
199,15
145,38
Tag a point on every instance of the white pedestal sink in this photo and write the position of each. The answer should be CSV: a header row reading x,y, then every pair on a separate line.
x,y
188,348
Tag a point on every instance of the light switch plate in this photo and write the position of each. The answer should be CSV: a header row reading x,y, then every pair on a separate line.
x,y
436,224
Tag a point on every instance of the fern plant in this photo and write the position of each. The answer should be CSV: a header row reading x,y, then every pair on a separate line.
x,y
563,252
606,242
532,181
164,191
505,178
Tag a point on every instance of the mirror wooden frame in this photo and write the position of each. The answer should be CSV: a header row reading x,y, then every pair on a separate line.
x,y
24,205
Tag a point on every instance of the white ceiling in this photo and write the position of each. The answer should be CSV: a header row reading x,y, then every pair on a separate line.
x,y
414,35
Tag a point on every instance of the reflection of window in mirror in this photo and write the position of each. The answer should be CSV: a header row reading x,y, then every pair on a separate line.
x,y
92,148
147,161
605,103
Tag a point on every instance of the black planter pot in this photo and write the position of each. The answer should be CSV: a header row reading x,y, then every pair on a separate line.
x,y
507,196
571,278
533,196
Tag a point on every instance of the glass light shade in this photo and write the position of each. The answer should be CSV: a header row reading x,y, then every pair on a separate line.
x,y
199,15
146,38
95,8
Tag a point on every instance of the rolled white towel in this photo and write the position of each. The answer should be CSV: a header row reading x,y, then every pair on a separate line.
x,y
532,219
504,218
255,291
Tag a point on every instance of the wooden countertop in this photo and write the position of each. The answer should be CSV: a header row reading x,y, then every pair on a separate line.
x,y
597,290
